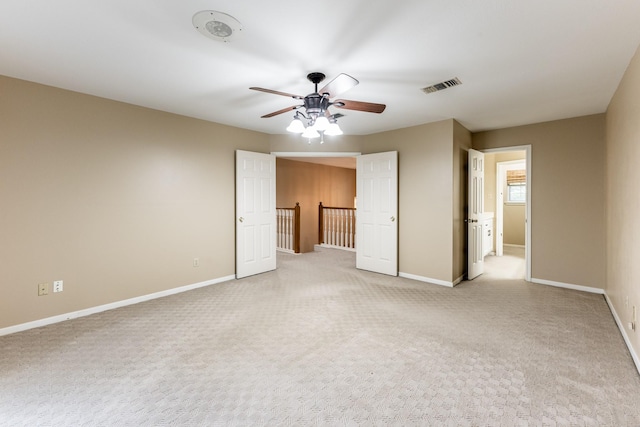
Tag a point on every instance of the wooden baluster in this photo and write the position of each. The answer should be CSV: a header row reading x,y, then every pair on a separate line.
x,y
341,227
279,226
334,227
327,239
283,235
285,231
289,241
282,226
352,232
337,241
328,224
345,242
290,231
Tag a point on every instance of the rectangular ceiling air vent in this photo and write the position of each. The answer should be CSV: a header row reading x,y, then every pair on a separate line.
x,y
441,86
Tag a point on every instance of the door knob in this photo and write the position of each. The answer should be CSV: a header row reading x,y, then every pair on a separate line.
x,y
393,218
241,219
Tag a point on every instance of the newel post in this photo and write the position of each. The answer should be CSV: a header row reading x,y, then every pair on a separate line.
x,y
320,224
296,232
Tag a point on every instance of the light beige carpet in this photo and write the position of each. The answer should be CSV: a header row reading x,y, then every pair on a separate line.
x,y
511,265
317,342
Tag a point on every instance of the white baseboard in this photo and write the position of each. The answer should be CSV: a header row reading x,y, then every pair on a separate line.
x,y
98,309
623,331
287,251
342,248
619,323
429,280
568,286
513,246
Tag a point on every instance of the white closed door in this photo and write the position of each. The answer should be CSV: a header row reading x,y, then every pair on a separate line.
x,y
475,210
377,214
255,213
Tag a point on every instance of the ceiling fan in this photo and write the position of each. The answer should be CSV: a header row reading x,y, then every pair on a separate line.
x,y
316,106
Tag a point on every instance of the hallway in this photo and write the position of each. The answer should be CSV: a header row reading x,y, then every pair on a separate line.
x,y
509,266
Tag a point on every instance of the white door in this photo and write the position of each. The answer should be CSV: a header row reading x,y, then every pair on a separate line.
x,y
475,210
255,213
377,216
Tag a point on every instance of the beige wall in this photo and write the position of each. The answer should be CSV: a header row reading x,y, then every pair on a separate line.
x,y
623,198
513,227
513,215
309,184
115,200
425,159
567,218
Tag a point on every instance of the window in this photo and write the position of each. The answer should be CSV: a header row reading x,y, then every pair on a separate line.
x,y
516,186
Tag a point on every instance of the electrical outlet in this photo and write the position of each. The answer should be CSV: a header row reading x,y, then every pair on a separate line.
x,y
626,302
43,289
196,262
57,286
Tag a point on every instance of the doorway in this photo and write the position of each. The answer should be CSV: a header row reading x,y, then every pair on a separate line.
x,y
376,177
308,180
508,203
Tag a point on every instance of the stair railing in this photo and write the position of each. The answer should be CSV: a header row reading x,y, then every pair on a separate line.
x,y
288,229
337,227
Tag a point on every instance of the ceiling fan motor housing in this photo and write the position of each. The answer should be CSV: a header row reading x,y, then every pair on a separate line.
x,y
316,104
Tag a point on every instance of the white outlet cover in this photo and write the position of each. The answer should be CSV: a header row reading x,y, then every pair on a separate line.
x,y
58,286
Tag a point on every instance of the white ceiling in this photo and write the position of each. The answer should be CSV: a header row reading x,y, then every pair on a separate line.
x,y
520,62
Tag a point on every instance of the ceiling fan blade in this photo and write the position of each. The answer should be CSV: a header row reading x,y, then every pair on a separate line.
x,y
340,84
275,92
284,110
369,107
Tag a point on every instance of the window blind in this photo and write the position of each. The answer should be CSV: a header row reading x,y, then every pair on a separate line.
x,y
516,177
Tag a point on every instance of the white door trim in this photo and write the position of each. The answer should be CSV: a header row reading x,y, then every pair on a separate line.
x,y
529,218
314,154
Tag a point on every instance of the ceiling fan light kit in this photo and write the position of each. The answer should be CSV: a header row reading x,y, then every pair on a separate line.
x,y
296,125
333,129
318,118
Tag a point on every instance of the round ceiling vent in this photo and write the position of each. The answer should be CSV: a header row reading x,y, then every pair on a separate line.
x,y
217,25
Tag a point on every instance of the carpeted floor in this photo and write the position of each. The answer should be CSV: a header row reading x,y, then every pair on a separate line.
x,y
511,265
317,342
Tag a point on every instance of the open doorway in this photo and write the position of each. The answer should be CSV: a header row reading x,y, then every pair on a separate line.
x,y
311,178
507,188
376,179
